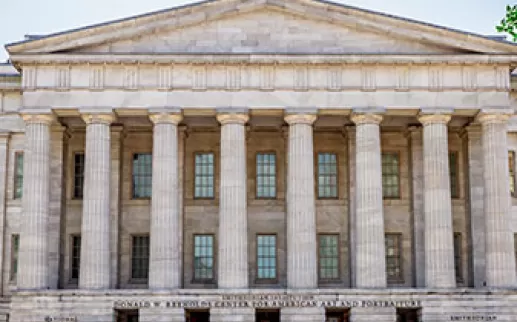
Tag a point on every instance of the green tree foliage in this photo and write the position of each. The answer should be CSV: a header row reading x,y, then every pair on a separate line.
x,y
509,22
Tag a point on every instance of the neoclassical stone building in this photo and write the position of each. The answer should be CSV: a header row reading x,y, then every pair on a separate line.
x,y
258,160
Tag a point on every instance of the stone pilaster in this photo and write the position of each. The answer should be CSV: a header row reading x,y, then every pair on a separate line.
x,y
162,315
377,314
33,263
232,314
95,272
166,251
302,314
117,137
302,259
233,212
417,204
352,199
370,260
439,246
499,247
475,202
4,157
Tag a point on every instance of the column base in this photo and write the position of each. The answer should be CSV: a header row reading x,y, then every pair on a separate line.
x,y
302,314
232,315
165,315
377,314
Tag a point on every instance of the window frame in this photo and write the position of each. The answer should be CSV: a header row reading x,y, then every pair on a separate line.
x,y
397,153
14,258
317,176
511,173
259,280
16,177
72,278
456,193
338,278
276,175
458,255
139,280
214,165
400,278
74,175
195,279
132,177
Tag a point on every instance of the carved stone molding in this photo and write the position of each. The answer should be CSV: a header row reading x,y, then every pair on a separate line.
x,y
94,118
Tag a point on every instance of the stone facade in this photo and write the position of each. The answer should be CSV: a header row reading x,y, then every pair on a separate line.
x,y
236,78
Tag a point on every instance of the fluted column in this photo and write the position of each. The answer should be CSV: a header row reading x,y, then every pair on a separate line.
x,y
370,261
233,212
165,252
499,247
302,256
95,230
33,271
439,247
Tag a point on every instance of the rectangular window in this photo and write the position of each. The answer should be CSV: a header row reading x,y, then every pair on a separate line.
x,y
394,258
453,170
266,257
327,175
76,257
18,175
390,175
204,175
142,175
329,257
266,175
15,245
457,257
78,175
203,257
140,258
511,167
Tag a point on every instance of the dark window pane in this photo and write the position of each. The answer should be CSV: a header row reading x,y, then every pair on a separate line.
x,y
266,257
453,169
329,257
204,175
457,257
78,175
142,175
203,257
76,257
394,258
18,175
15,245
390,175
266,175
140,257
327,175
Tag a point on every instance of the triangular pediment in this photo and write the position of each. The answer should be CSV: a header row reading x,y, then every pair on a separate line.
x,y
264,26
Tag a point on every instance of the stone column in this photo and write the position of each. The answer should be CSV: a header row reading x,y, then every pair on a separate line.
x,y
370,259
117,138
302,256
233,212
439,246
95,230
33,265
351,203
499,247
165,252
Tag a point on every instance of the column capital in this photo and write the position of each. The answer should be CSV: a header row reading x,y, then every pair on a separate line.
x,y
437,118
97,117
366,118
38,116
233,117
494,116
165,115
294,118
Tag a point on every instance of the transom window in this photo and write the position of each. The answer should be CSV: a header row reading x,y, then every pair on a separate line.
x,y
394,257
142,175
204,175
453,170
511,167
327,175
15,246
266,175
390,175
266,257
78,175
76,257
18,175
457,257
203,257
329,256
140,258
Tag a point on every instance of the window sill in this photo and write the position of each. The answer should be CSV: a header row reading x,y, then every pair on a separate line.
x,y
136,202
138,281
264,281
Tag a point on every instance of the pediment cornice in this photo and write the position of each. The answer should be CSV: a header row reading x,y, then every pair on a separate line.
x,y
185,16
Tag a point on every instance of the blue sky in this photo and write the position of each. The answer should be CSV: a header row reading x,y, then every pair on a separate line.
x,y
20,17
